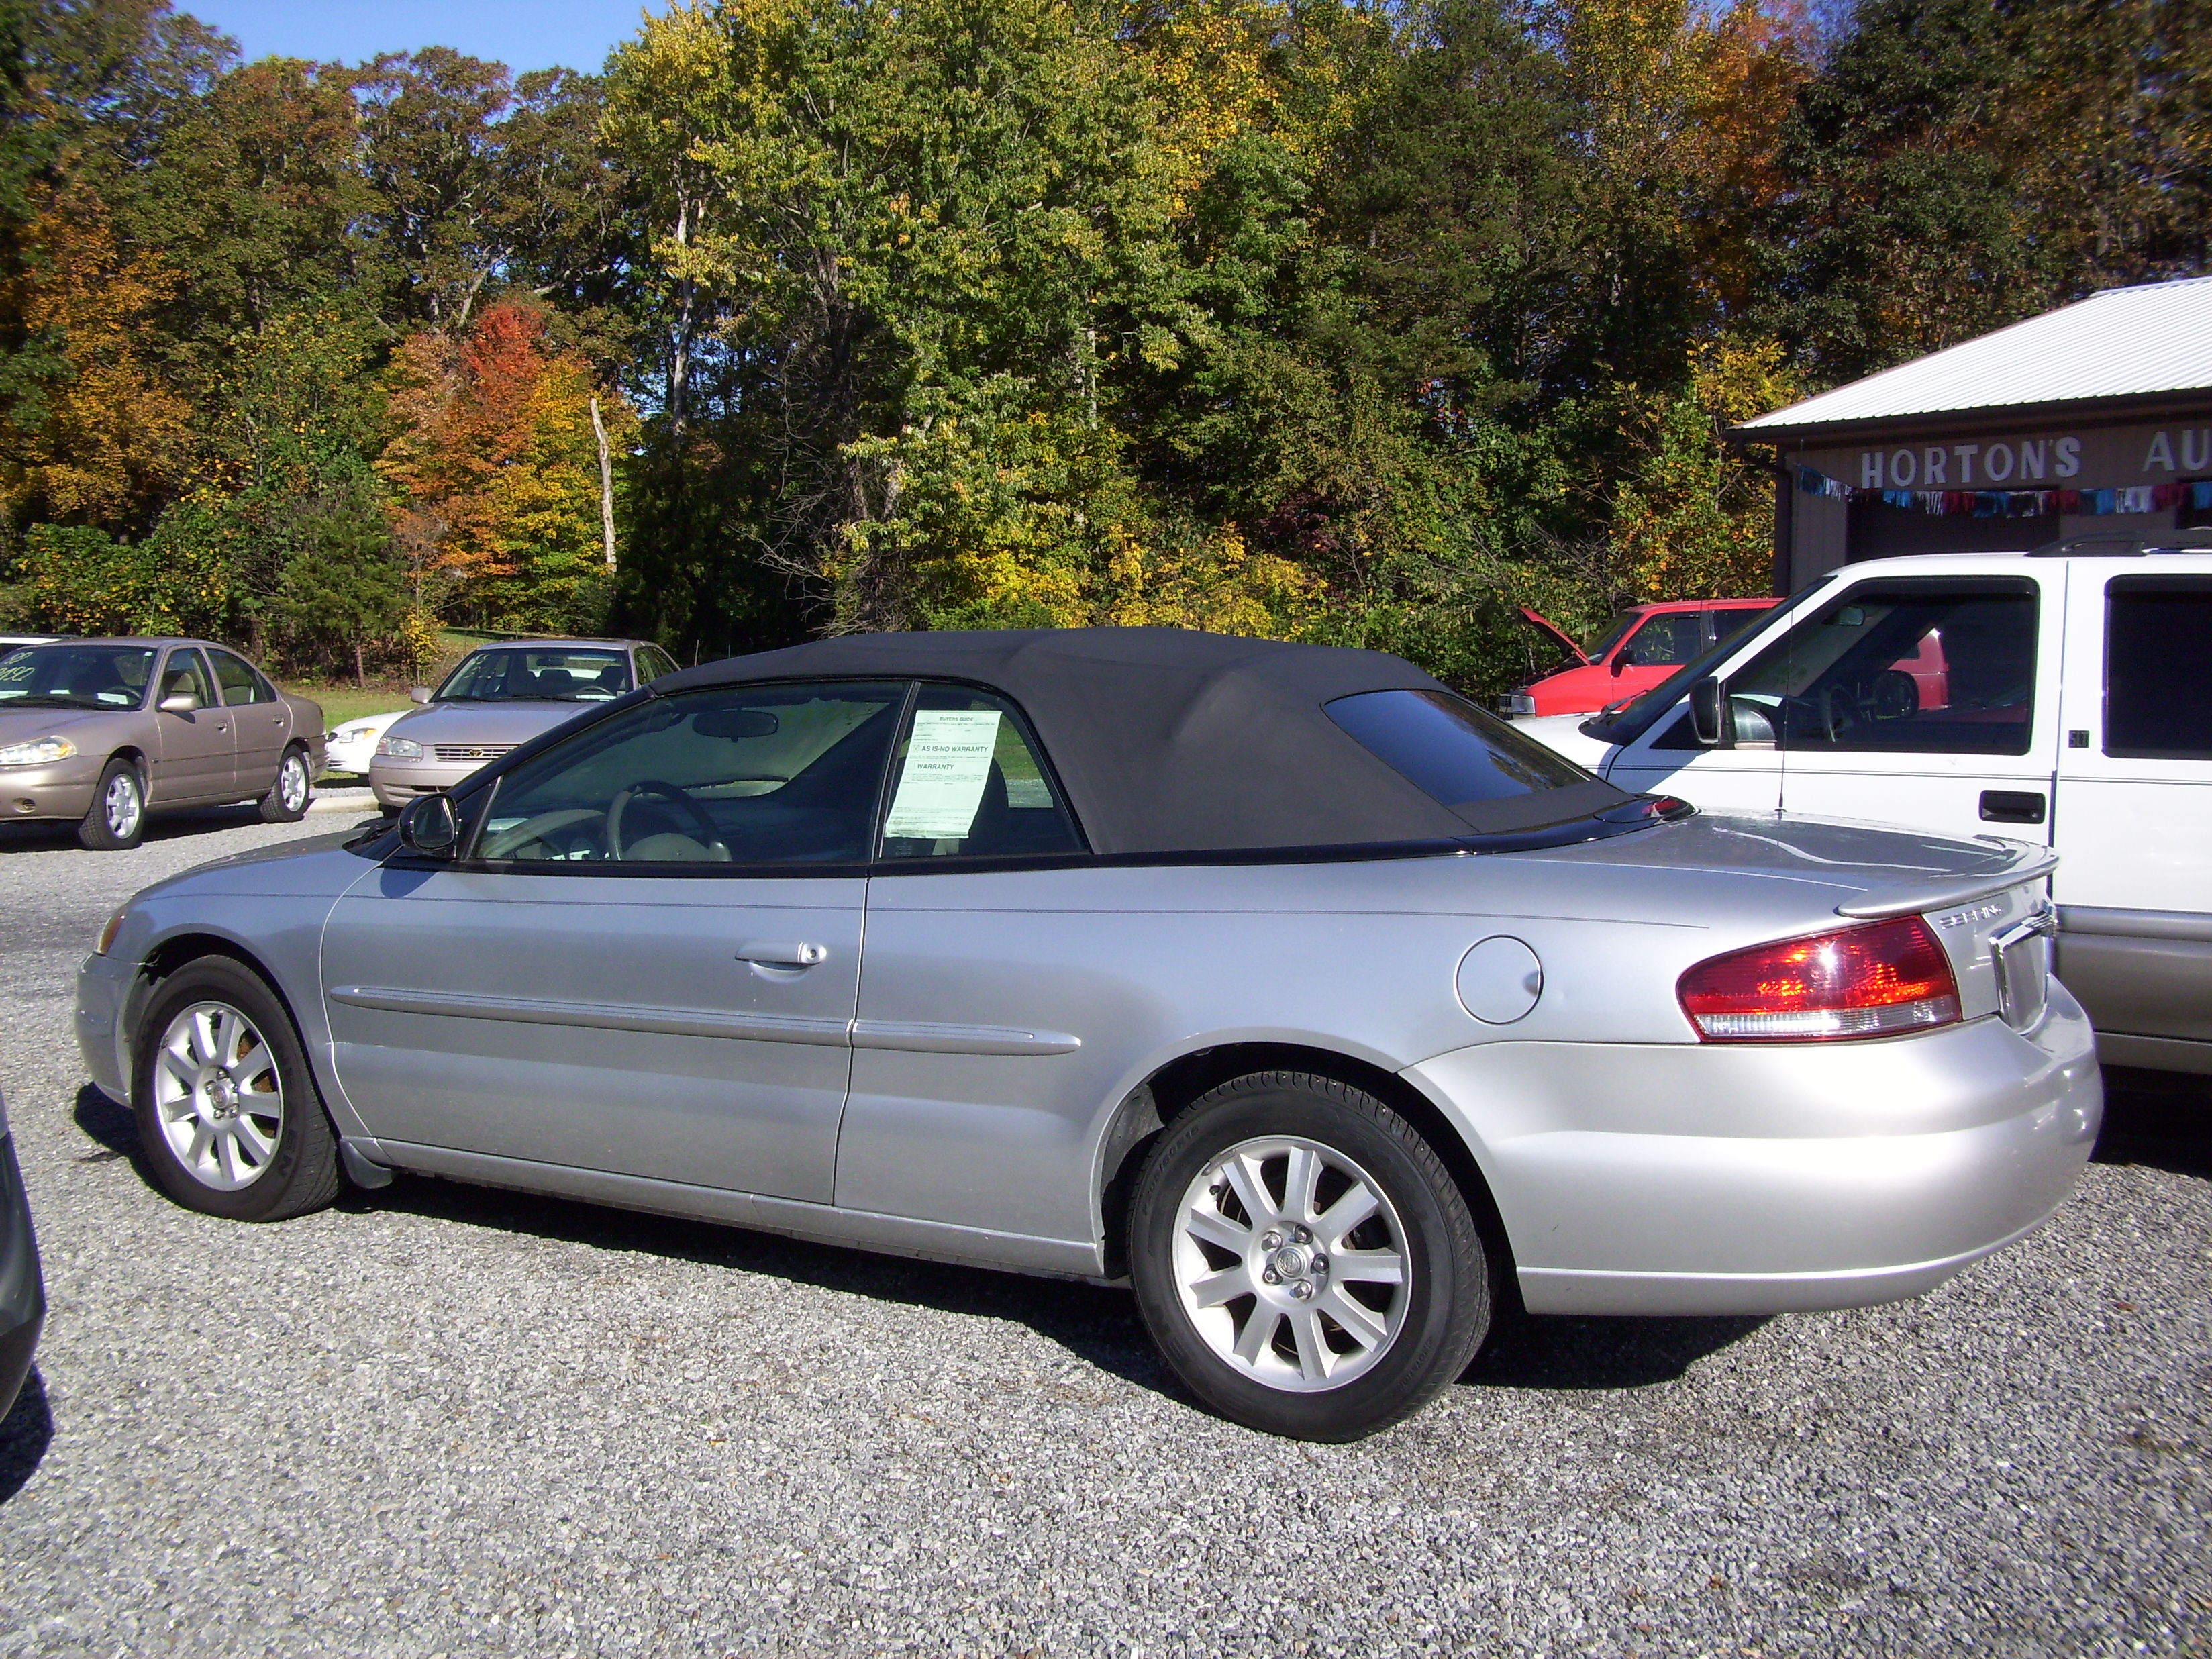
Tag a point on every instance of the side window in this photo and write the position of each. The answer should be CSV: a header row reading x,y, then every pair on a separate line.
x,y
1945,665
1735,620
653,662
748,774
2158,668
1666,639
241,684
967,782
186,673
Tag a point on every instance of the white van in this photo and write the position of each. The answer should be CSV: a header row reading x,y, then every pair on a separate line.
x,y
2062,696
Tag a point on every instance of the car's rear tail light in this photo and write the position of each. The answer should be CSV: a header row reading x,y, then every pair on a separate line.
x,y
1859,983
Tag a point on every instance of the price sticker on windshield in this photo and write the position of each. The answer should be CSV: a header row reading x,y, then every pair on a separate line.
x,y
948,761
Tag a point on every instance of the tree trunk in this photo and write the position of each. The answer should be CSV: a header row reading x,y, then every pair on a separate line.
x,y
687,302
360,679
606,482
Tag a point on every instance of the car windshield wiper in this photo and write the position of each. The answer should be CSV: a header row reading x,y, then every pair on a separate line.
x,y
58,699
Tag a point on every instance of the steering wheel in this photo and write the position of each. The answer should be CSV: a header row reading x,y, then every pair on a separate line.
x,y
1839,713
657,790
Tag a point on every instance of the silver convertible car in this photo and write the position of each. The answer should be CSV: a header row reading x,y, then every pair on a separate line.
x,y
1327,1010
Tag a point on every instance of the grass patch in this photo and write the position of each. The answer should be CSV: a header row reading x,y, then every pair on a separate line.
x,y
342,703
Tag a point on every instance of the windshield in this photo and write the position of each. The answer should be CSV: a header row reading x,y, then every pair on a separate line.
x,y
75,676
1629,723
548,674
1610,636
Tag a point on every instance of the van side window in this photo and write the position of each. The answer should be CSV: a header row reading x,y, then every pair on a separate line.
x,y
2158,668
1929,665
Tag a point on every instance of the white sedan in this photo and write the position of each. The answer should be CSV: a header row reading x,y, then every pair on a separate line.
x,y
350,747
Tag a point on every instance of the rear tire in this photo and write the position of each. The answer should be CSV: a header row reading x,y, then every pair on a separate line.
x,y
228,1114
288,799
117,819
1304,1258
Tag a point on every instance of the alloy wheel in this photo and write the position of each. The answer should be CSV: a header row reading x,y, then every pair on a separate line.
x,y
122,806
219,1096
1291,1263
292,783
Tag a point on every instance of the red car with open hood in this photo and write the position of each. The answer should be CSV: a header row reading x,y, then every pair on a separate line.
x,y
1639,648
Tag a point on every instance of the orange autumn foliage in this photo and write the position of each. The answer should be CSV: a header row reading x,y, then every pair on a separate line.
x,y
103,438
493,465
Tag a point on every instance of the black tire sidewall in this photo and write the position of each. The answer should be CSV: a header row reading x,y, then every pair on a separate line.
x,y
273,809
1450,1309
93,832
303,1173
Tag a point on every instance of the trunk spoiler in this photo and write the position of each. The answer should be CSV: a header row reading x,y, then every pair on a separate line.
x,y
2029,863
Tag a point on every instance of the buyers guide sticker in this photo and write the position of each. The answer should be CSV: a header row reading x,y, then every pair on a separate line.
x,y
948,761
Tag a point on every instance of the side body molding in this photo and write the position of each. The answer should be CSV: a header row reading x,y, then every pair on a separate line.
x,y
911,1036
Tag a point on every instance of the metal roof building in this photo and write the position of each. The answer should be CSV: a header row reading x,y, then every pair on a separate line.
x,y
2095,416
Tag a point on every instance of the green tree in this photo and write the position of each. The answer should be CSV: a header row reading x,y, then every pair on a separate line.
x,y
340,596
256,199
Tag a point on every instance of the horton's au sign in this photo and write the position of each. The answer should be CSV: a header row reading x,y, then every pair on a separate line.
x,y
2111,456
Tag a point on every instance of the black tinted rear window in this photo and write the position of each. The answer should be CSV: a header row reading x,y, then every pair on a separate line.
x,y
2158,668
1451,749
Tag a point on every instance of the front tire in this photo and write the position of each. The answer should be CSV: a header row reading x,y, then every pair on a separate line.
x,y
289,797
117,819
229,1113
1304,1258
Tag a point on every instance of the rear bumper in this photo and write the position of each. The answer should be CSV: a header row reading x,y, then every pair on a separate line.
x,y
1747,1179
22,1288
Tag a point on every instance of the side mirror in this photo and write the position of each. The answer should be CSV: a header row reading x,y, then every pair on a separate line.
x,y
418,694
1708,709
1623,659
431,827
179,702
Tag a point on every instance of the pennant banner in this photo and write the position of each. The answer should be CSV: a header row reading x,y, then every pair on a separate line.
x,y
2015,503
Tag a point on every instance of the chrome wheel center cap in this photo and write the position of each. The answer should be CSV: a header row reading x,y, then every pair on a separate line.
x,y
1290,1261
222,1096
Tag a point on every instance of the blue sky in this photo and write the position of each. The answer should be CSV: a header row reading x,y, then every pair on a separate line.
x,y
524,34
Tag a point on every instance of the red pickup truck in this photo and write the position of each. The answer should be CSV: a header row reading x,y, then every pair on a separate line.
x,y
1639,648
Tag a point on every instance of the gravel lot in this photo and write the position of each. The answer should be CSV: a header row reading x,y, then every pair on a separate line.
x,y
440,1420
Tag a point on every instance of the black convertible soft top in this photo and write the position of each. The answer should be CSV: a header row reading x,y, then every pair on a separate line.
x,y
1168,741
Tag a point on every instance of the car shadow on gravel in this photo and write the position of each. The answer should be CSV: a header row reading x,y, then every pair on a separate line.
x,y
1531,1351
1098,1325
2159,1120
111,1125
25,1434
50,837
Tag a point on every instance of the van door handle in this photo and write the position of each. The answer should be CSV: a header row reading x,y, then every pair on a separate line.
x,y
780,954
2012,806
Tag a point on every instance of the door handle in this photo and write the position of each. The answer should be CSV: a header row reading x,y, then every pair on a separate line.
x,y
2012,806
785,954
